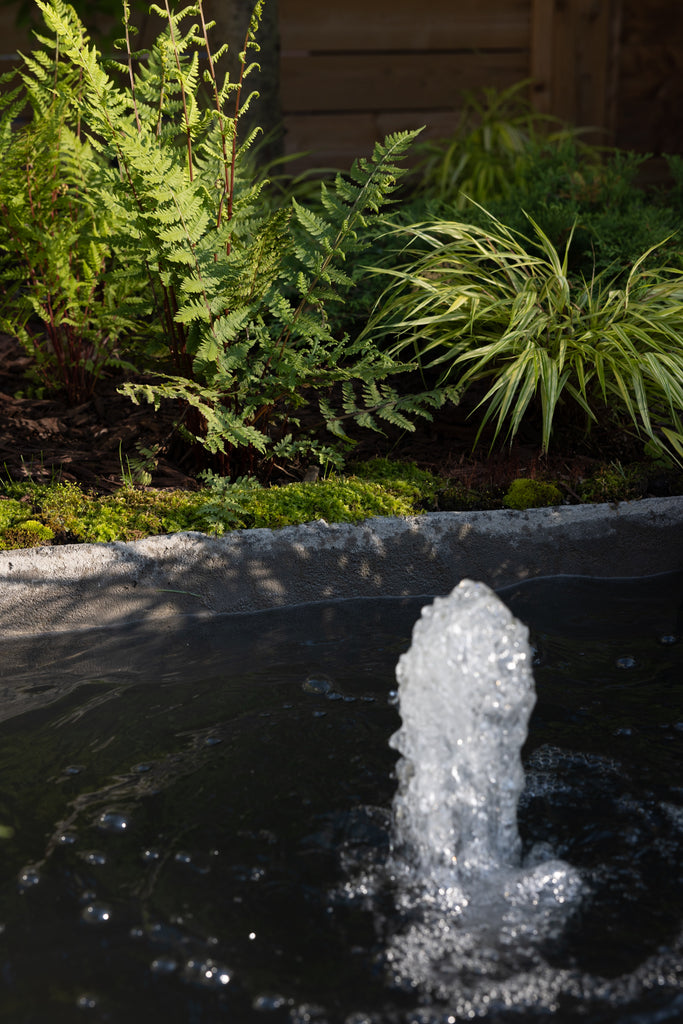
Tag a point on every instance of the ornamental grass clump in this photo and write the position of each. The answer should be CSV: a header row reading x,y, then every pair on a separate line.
x,y
498,137
492,306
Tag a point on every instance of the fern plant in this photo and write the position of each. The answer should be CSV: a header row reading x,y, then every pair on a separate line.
x,y
239,293
58,296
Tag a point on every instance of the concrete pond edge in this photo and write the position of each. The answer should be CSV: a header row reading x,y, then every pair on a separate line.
x,y
75,587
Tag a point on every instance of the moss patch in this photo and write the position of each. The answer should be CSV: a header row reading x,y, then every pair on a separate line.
x,y
33,514
525,493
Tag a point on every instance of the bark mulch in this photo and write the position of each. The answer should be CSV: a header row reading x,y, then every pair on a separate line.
x,y
47,439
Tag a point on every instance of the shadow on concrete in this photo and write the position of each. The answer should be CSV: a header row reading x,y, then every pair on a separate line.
x,y
48,590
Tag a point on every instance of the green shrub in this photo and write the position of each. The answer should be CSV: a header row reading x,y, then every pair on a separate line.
x,y
524,493
515,162
591,194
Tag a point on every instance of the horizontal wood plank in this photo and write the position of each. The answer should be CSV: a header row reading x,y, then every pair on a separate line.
x,y
650,84
336,140
393,82
357,25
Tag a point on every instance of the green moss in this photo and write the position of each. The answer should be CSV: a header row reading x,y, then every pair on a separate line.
x,y
27,534
132,515
404,479
458,497
11,512
32,514
613,483
66,512
346,500
61,506
524,493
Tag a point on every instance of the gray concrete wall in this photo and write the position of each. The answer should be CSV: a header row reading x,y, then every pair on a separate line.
x,y
82,586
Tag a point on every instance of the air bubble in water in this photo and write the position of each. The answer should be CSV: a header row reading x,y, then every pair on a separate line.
x,y
28,877
320,685
96,913
163,965
196,862
94,857
86,1001
207,973
113,821
269,1002
626,662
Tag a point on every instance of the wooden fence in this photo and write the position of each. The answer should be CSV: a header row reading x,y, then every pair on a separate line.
x,y
353,70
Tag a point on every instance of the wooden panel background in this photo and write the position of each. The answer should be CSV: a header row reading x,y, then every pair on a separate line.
x,y
351,70
650,84
348,69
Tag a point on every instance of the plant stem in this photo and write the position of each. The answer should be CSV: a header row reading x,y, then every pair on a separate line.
x,y
182,91
126,24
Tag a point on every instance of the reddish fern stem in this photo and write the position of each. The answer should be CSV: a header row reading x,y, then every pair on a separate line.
x,y
182,90
126,23
221,123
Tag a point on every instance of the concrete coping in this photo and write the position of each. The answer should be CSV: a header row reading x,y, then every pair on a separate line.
x,y
77,587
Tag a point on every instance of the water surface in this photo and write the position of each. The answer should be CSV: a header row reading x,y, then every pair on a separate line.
x,y
185,815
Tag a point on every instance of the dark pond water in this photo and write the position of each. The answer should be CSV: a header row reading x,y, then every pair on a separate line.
x,y
182,815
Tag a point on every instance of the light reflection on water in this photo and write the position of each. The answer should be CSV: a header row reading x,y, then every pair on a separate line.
x,y
185,818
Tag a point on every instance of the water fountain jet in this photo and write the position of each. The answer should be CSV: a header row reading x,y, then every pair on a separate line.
x,y
466,692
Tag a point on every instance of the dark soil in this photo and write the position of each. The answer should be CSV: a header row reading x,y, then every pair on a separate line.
x,y
92,444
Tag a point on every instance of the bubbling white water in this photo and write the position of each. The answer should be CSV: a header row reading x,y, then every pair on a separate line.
x,y
466,692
